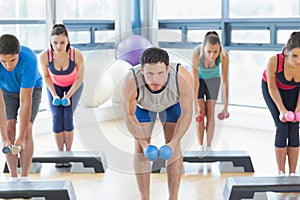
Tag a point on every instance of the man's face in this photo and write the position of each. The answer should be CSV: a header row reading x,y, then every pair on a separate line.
x,y
9,61
156,75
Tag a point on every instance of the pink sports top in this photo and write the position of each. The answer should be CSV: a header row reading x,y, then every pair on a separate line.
x,y
66,77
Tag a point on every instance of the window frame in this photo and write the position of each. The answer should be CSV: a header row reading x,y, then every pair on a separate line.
x,y
91,26
226,26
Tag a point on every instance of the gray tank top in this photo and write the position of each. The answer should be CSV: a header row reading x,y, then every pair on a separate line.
x,y
159,100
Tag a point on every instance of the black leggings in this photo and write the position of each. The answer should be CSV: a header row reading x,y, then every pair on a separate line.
x,y
287,133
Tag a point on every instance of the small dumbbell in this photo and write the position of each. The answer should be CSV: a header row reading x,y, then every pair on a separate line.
x,y
56,101
289,116
151,152
64,102
165,152
199,117
6,149
60,102
222,116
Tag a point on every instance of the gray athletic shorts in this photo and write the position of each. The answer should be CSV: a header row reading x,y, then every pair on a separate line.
x,y
12,104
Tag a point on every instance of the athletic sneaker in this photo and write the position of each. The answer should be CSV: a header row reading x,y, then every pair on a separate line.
x,y
13,179
293,174
208,149
200,148
24,179
281,174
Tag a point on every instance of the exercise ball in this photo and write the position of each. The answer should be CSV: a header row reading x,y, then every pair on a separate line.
x,y
95,66
117,70
104,89
131,48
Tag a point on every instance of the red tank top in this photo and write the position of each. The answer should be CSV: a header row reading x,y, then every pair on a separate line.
x,y
281,82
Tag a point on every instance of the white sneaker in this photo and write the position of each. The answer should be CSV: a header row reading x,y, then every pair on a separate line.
x,y
293,174
24,179
281,174
200,148
208,149
13,179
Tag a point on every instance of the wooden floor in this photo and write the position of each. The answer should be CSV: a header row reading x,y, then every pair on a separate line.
x,y
199,181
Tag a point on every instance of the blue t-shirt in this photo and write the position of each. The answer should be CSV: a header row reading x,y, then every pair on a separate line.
x,y
24,75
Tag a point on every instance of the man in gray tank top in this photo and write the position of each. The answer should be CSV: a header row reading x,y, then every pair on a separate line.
x,y
154,88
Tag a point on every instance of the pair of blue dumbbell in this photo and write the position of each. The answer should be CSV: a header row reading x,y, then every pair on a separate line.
x,y
151,152
60,102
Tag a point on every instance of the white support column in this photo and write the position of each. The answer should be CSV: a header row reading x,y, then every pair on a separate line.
x,y
149,21
50,18
123,19
58,12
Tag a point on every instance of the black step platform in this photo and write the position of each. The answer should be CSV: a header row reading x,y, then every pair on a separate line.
x,y
237,158
95,160
50,190
245,187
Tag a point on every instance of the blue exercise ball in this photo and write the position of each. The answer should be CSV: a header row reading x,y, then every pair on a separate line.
x,y
131,48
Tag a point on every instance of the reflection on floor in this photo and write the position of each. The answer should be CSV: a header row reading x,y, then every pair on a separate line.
x,y
199,181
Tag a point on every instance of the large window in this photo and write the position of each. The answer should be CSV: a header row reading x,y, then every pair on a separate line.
x,y
246,69
264,9
251,31
25,9
90,22
87,9
189,9
24,21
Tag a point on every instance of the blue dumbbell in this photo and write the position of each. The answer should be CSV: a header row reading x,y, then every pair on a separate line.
x,y
6,149
56,101
151,152
165,152
64,102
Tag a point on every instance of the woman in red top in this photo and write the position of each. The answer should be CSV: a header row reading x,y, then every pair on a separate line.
x,y
280,87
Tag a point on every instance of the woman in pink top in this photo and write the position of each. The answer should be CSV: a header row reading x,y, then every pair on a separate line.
x,y
63,67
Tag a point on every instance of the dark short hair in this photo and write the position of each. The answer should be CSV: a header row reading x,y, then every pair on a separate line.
x,y
9,45
154,55
58,29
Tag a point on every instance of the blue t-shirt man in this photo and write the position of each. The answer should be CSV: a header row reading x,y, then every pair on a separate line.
x,y
20,94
